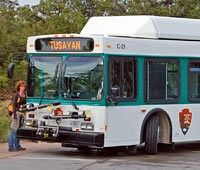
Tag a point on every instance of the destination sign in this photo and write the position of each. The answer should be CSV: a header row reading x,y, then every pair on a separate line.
x,y
65,44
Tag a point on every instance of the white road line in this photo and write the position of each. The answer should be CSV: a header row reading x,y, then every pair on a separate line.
x,y
54,159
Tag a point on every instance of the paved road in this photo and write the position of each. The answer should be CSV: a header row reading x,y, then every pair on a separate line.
x,y
47,156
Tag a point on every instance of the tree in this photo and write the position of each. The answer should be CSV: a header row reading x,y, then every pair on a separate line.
x,y
8,4
173,8
56,16
185,9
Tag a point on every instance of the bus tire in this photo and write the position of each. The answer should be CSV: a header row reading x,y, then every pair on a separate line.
x,y
151,135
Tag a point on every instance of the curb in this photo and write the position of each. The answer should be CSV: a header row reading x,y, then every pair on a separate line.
x,y
30,148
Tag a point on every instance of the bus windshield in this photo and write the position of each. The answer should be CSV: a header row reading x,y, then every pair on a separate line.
x,y
79,78
82,78
43,75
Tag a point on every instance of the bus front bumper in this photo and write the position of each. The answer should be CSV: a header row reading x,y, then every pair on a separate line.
x,y
92,139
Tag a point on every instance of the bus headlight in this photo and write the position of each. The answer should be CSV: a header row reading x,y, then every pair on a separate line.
x,y
31,123
87,126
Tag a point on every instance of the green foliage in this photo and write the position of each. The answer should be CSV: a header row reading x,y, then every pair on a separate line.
x,y
4,121
3,82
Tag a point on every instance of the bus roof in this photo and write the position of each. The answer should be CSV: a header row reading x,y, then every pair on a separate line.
x,y
154,27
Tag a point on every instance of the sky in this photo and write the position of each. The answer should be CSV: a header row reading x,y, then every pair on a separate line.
x,y
28,2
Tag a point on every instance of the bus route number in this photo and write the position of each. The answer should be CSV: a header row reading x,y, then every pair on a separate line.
x,y
121,46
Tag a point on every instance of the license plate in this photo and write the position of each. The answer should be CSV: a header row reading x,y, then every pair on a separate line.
x,y
74,124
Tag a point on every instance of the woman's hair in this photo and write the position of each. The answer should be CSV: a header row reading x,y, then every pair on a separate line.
x,y
18,84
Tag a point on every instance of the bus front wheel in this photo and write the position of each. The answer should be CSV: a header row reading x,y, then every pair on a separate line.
x,y
152,135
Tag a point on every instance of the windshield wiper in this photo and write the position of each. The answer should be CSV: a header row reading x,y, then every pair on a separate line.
x,y
65,88
74,105
56,73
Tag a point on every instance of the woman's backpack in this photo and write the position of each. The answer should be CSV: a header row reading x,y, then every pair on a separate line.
x,y
11,108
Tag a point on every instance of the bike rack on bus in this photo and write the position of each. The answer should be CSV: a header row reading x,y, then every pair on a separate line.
x,y
40,125
42,129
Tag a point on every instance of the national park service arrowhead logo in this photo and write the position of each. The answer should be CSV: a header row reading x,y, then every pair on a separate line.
x,y
185,119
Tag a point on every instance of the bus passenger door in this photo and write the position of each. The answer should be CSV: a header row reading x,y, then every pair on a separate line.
x,y
121,94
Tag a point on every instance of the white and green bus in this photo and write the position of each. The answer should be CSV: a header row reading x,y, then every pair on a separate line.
x,y
122,82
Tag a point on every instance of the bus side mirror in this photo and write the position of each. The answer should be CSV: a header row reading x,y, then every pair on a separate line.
x,y
11,70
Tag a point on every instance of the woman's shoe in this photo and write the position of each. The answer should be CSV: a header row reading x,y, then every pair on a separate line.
x,y
12,150
21,149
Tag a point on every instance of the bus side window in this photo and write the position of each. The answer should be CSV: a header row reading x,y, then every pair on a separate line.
x,y
162,80
122,78
116,78
194,80
128,79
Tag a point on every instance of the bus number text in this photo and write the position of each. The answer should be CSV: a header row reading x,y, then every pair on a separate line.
x,y
121,46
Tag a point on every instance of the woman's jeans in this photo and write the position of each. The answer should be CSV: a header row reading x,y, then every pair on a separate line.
x,y
13,143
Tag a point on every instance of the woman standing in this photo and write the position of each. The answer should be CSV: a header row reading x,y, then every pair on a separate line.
x,y
18,99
